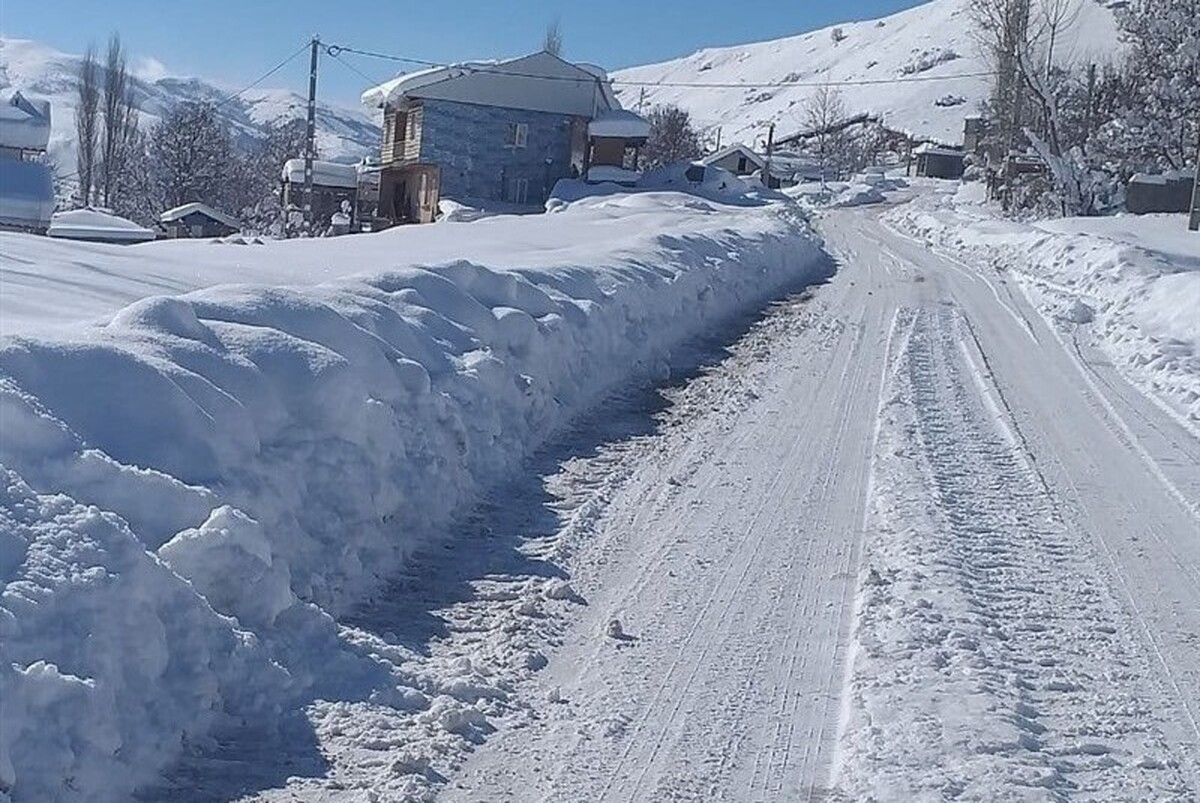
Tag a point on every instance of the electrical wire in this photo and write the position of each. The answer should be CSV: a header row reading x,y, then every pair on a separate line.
x,y
229,98
336,50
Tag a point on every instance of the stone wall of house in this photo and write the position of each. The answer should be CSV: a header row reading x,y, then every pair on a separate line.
x,y
472,146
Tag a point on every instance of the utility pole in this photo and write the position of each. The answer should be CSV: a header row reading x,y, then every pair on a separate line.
x,y
718,139
770,147
1194,220
310,148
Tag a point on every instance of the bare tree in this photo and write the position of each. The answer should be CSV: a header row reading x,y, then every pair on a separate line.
x,y
823,112
552,43
1002,29
672,137
87,124
1053,18
120,119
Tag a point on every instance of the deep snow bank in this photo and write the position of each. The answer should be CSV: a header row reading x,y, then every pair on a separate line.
x,y
184,480
1134,281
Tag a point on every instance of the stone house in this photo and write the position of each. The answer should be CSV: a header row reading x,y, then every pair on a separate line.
x,y
494,131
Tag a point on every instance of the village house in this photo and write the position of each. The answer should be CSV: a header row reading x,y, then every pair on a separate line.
x,y
26,183
197,220
497,131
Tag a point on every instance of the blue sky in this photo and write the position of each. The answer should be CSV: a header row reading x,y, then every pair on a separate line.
x,y
232,43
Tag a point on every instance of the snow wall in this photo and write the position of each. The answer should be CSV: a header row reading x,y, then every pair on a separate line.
x,y
192,488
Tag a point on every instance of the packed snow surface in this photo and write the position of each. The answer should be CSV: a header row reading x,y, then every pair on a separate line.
x,y
880,66
194,482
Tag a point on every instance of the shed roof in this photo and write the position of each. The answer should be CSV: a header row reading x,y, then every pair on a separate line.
x,y
737,148
619,124
183,211
929,149
92,224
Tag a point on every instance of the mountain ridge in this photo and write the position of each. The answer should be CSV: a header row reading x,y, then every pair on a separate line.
x,y
344,133
915,56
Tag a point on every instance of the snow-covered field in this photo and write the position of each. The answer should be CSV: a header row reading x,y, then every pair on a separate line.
x,y
1129,285
200,476
932,41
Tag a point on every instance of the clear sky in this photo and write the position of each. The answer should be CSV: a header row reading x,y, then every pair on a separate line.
x,y
232,43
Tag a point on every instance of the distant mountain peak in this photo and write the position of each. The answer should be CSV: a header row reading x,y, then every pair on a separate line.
x,y
344,133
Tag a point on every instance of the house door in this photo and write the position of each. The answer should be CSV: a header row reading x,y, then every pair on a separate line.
x,y
400,201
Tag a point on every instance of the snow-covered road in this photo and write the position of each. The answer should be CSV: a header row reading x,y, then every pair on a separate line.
x,y
906,541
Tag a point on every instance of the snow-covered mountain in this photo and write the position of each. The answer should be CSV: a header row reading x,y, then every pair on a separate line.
x,y
344,133
931,41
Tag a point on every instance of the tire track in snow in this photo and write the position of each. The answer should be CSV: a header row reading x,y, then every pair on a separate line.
x,y
990,655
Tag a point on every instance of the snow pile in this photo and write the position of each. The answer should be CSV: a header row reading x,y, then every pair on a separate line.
x,y
93,224
695,178
862,190
858,195
186,479
1132,281
109,660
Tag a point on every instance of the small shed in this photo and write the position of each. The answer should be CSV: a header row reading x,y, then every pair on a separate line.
x,y
738,159
97,226
332,184
614,139
197,220
1166,192
934,161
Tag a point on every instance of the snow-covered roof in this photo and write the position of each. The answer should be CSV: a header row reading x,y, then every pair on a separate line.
x,y
1161,179
24,122
325,174
619,124
92,224
26,193
204,209
929,149
738,148
537,82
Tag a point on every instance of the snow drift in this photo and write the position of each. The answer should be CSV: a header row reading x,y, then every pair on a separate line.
x,y
192,485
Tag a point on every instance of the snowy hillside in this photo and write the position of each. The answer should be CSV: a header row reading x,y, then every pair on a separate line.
x,y
344,132
932,41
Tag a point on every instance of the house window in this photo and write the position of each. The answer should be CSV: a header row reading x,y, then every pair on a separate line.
x,y
742,165
518,135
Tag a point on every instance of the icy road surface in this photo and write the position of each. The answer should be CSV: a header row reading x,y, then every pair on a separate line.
x,y
902,543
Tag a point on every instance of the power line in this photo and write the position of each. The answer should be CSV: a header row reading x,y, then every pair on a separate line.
x,y
336,50
229,98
